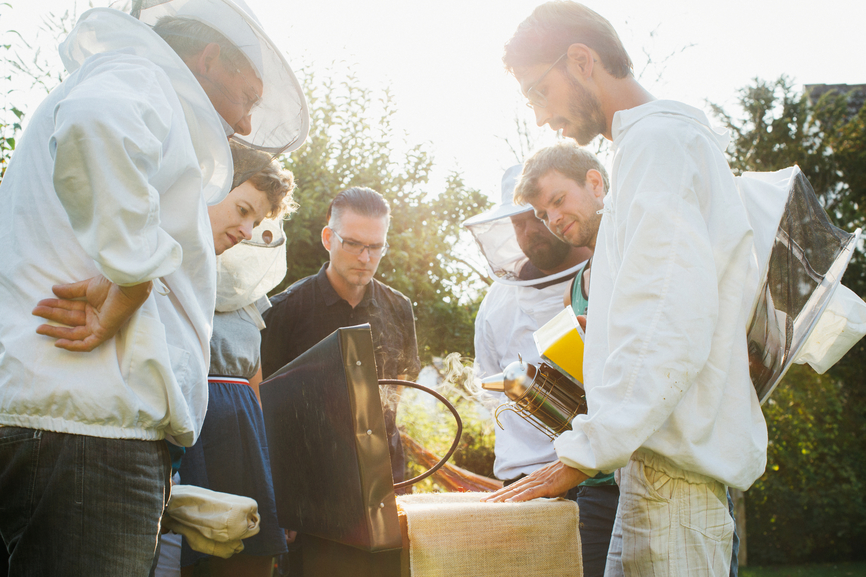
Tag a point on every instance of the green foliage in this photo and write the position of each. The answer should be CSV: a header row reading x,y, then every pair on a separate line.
x,y
819,570
8,133
25,59
781,128
809,505
8,129
352,143
432,425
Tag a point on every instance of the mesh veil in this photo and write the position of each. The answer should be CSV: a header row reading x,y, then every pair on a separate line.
x,y
806,261
280,120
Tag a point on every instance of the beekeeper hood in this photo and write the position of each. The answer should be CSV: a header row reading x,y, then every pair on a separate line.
x,y
247,271
494,235
801,313
280,119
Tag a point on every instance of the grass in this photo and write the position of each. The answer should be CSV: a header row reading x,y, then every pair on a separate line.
x,y
819,570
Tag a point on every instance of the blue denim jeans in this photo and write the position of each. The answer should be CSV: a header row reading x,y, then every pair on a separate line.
x,y
597,513
77,505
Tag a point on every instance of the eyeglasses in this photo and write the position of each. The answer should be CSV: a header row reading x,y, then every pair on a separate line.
x,y
536,99
357,248
250,101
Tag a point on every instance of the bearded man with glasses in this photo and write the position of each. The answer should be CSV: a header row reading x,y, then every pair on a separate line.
x,y
666,366
344,293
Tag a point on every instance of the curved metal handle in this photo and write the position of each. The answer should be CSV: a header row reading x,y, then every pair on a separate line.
x,y
504,407
525,415
450,407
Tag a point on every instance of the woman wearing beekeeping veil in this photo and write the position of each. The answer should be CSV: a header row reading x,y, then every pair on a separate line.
x,y
231,455
120,163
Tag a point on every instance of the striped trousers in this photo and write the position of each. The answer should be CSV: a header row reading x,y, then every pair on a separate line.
x,y
669,523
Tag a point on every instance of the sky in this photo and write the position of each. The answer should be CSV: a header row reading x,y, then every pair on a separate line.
x,y
442,60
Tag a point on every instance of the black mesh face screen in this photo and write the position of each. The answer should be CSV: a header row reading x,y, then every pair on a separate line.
x,y
808,258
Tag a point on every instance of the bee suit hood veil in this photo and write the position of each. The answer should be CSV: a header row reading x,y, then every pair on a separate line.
x,y
495,237
280,119
801,312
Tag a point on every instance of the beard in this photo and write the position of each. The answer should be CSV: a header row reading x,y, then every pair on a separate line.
x,y
547,255
587,118
583,232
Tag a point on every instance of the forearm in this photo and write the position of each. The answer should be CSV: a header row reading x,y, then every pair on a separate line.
x,y
255,382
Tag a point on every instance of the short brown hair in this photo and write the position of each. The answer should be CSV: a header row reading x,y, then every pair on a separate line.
x,y
554,26
360,200
266,174
566,158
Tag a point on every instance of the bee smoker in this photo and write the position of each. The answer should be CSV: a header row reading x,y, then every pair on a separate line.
x,y
541,395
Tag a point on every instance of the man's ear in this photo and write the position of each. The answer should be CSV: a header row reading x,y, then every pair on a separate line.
x,y
202,62
596,182
580,60
326,238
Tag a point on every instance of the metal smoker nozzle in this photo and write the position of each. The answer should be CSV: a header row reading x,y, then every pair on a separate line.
x,y
514,381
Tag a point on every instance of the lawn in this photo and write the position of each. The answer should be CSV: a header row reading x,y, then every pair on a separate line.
x,y
821,570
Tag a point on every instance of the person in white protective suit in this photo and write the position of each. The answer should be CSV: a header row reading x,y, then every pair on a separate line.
x,y
105,203
666,370
562,174
531,270
669,392
509,314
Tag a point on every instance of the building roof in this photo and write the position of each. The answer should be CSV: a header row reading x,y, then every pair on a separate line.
x,y
856,99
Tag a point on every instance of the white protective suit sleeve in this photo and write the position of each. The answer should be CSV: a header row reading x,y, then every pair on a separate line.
x,y
105,150
662,308
486,363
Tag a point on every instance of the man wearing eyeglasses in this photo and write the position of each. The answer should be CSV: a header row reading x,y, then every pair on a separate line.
x,y
344,293
666,363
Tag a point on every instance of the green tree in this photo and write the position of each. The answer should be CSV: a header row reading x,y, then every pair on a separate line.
x,y
26,60
8,133
10,116
352,143
809,505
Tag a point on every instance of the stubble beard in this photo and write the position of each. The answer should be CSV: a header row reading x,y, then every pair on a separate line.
x,y
585,231
587,117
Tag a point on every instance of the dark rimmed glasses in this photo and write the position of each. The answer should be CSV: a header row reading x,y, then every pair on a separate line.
x,y
357,248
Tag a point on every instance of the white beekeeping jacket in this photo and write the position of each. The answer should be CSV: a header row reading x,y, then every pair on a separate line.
x,y
506,320
511,311
666,363
112,177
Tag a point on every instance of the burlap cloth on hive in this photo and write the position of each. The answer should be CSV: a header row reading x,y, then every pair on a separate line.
x,y
453,534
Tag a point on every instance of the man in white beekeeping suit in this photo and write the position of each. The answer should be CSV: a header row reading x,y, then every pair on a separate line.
x,y
532,270
515,307
666,369
105,204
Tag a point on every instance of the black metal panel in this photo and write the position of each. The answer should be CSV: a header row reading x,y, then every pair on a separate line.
x,y
332,478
